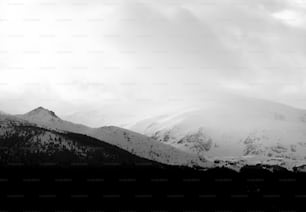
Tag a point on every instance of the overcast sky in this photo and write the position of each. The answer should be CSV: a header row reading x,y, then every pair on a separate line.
x,y
97,61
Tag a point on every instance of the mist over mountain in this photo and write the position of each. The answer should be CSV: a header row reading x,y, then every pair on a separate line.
x,y
244,130
186,103
231,132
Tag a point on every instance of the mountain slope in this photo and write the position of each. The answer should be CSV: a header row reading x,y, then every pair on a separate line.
x,y
146,147
234,130
27,143
135,143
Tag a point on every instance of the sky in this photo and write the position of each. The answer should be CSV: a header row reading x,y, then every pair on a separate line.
x,y
118,61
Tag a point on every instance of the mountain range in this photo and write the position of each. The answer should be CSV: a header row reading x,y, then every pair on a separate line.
x,y
127,140
227,132
25,143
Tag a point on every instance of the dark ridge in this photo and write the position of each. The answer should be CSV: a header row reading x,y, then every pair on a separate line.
x,y
18,147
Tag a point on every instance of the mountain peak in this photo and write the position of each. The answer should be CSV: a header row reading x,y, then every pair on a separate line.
x,y
43,114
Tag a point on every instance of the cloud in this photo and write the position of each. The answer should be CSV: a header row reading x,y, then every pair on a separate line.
x,y
292,17
228,43
144,55
293,14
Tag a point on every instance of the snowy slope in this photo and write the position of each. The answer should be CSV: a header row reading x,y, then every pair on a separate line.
x,y
29,144
135,143
236,130
146,147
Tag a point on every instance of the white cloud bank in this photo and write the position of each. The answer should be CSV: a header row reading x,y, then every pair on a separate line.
x,y
127,59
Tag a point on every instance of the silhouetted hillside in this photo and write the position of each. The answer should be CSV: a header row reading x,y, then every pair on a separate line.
x,y
32,145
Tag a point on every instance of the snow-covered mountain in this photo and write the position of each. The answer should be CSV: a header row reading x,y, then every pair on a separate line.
x,y
135,143
231,132
234,131
29,144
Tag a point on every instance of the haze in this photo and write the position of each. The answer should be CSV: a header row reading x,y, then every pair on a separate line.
x,y
115,62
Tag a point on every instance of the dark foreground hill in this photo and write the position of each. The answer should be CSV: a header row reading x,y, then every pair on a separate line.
x,y
22,143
